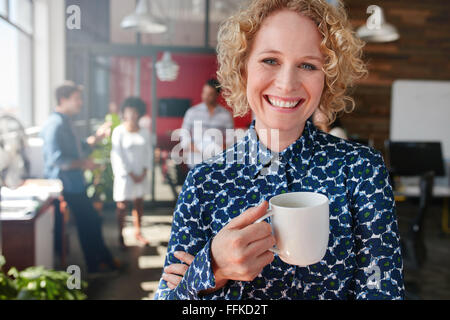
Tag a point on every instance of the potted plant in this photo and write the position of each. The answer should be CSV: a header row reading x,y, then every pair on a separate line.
x,y
37,283
100,180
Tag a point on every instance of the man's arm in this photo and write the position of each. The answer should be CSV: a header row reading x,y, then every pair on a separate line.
x,y
102,132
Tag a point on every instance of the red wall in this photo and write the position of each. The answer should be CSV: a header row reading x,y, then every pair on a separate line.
x,y
195,69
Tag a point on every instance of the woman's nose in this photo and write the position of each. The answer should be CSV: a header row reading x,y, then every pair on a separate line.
x,y
287,79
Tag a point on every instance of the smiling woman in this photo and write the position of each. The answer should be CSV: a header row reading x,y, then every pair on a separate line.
x,y
285,59
284,74
337,51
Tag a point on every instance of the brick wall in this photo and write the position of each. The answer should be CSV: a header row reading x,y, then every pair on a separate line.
x,y
422,52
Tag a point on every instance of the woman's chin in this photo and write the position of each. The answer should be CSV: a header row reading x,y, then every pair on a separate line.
x,y
283,124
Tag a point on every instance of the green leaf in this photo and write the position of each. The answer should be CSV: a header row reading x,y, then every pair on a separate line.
x,y
13,272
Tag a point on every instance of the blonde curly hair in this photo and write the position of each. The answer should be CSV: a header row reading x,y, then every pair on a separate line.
x,y
341,48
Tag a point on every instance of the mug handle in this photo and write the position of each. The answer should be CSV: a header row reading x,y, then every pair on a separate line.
x,y
268,214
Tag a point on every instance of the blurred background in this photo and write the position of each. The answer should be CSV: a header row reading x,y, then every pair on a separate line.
x,y
402,109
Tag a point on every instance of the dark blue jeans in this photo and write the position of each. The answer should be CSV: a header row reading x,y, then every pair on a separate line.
x,y
89,228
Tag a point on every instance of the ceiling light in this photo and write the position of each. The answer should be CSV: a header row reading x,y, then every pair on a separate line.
x,y
166,68
376,28
142,21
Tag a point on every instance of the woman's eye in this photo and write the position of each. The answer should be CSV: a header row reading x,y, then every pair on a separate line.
x,y
308,66
270,61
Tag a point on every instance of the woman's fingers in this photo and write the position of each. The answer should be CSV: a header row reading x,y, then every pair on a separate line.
x,y
256,231
184,257
175,272
172,280
265,258
176,268
240,250
258,247
249,216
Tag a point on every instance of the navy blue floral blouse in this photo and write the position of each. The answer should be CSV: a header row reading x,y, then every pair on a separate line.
x,y
363,259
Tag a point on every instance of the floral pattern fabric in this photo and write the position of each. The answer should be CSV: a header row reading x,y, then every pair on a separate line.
x,y
363,259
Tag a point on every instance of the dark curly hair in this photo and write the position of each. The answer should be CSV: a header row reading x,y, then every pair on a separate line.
x,y
136,103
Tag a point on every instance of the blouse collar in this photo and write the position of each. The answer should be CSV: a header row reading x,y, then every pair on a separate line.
x,y
260,158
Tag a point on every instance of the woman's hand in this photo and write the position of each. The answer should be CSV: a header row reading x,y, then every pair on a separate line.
x,y
138,179
133,177
143,175
241,249
175,272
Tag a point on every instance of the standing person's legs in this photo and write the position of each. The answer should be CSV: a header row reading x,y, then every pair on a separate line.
x,y
138,210
84,229
102,250
89,231
121,214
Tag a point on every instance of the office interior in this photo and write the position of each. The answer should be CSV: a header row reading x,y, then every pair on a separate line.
x,y
402,110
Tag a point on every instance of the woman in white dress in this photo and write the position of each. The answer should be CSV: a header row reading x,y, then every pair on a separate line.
x,y
130,160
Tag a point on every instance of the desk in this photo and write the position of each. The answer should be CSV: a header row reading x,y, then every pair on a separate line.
x,y
27,219
35,188
439,191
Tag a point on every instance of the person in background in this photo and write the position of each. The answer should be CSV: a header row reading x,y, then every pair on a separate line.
x,y
130,159
65,158
321,121
210,115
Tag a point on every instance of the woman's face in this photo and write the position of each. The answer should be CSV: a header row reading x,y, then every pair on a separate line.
x,y
130,115
284,76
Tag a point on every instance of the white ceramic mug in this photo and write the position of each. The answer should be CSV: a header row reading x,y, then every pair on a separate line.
x,y
300,222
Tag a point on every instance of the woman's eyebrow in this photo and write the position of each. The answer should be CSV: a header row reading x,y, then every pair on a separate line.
x,y
313,57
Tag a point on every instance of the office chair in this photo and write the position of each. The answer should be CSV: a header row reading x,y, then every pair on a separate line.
x,y
424,159
413,244
170,117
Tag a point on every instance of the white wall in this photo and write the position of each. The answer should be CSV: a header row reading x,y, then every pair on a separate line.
x,y
421,112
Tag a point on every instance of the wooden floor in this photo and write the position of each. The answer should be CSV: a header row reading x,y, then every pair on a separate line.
x,y
144,264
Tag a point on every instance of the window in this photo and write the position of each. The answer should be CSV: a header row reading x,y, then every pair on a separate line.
x,y
3,8
16,60
20,13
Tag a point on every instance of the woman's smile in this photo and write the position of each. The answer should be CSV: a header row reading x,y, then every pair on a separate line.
x,y
284,104
284,74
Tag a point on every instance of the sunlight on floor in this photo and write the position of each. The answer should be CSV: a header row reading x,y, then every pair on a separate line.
x,y
157,230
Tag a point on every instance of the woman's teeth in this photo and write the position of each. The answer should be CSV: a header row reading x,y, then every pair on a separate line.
x,y
283,104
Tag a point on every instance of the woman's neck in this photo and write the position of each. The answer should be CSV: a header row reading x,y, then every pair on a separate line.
x,y
277,140
131,126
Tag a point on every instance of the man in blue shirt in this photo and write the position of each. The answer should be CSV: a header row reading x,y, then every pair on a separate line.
x,y
65,159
